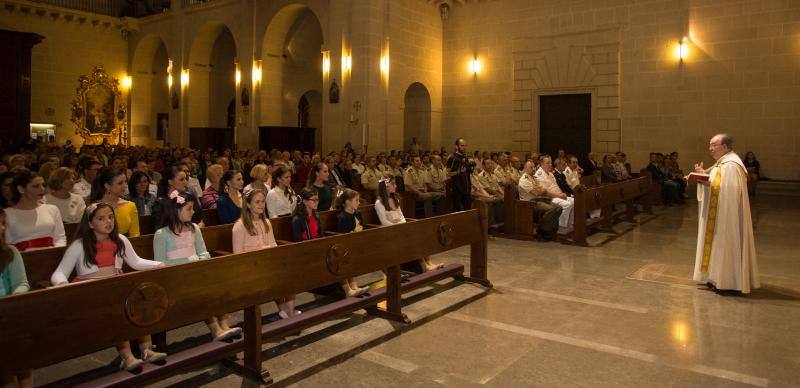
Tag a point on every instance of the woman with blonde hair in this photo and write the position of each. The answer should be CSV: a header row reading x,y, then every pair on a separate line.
x,y
262,178
69,204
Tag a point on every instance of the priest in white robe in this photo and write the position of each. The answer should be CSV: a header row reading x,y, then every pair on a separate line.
x,y
726,251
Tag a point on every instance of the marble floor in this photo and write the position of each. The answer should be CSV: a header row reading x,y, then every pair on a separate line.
x,y
617,314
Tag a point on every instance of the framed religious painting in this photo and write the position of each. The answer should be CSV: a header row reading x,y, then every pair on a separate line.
x,y
98,111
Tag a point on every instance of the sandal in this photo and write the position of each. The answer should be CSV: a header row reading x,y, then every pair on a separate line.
x,y
135,364
152,356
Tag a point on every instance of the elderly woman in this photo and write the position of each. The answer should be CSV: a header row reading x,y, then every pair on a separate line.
x,y
70,205
211,193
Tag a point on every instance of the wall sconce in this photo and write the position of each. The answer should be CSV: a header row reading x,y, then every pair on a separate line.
x,y
347,63
169,74
184,78
127,82
237,75
475,66
256,72
326,63
682,49
385,64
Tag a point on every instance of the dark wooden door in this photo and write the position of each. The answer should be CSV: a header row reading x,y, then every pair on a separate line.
x,y
286,138
565,122
15,85
215,138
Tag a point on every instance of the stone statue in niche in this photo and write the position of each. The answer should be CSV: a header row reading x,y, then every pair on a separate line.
x,y
245,96
333,93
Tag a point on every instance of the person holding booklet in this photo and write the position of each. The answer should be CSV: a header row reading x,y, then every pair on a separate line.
x,y
726,250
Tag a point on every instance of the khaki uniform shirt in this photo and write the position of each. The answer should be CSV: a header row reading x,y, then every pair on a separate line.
x,y
416,179
527,184
512,173
370,177
488,181
438,178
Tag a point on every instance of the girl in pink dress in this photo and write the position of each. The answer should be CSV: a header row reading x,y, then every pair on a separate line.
x,y
98,253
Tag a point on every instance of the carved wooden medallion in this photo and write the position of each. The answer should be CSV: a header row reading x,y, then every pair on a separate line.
x,y
146,304
446,233
336,258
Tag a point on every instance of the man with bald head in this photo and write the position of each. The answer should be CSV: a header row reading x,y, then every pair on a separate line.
x,y
726,250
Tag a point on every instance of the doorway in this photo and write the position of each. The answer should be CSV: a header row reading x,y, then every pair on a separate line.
x,y
565,122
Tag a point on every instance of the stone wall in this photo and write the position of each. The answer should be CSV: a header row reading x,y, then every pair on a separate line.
x,y
74,43
740,76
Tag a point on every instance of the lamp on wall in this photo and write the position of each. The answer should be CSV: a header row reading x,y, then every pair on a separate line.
x,y
326,63
682,49
237,76
385,64
184,78
127,82
256,72
169,74
475,66
347,63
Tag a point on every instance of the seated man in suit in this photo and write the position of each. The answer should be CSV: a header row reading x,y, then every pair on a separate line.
x,y
669,188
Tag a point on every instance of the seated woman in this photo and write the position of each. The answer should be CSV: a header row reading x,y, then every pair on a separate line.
x,y
180,241
6,189
30,223
348,220
98,253
229,202
387,207
139,193
318,179
13,280
261,178
173,179
609,173
109,187
253,232
753,172
281,199
70,205
211,193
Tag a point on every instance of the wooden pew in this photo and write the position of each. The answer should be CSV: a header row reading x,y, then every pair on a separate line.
x,y
138,303
40,264
210,218
367,196
605,197
518,214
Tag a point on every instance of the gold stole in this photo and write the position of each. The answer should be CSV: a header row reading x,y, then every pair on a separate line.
x,y
712,219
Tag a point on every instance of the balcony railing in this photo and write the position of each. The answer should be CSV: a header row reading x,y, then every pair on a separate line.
x,y
116,8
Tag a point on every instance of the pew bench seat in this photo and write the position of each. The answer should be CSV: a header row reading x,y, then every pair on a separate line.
x,y
214,351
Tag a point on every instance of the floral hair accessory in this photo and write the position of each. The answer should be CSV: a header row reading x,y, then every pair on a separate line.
x,y
91,208
177,197
385,180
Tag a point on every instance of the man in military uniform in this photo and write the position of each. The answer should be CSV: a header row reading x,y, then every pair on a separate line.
x,y
416,181
438,175
489,181
371,175
547,213
512,169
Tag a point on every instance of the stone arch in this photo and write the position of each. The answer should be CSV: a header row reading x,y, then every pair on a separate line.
x,y
149,91
417,115
212,83
292,61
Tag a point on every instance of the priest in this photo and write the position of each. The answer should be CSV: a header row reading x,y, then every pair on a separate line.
x,y
726,251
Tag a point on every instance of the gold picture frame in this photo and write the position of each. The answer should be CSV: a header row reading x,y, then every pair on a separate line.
x,y
98,111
